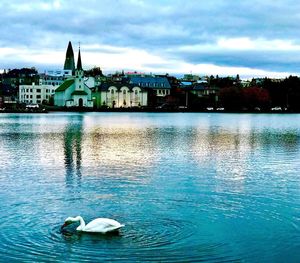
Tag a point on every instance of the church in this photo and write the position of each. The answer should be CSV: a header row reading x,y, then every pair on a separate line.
x,y
73,92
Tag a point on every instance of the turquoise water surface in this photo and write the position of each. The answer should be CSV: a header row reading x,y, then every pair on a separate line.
x,y
189,187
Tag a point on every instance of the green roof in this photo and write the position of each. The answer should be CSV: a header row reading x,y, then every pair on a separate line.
x,y
79,92
65,85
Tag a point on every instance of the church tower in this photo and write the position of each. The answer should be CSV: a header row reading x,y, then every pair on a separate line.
x,y
79,65
69,61
79,74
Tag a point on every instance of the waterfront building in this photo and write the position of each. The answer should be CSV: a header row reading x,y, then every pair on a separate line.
x,y
73,92
119,95
36,94
158,86
202,90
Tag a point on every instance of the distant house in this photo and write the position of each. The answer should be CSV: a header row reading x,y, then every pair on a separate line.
x,y
54,77
158,87
74,92
36,94
202,90
119,95
161,85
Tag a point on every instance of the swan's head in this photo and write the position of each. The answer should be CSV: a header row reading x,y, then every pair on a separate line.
x,y
69,221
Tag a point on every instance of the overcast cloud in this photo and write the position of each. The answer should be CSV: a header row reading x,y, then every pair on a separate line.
x,y
250,38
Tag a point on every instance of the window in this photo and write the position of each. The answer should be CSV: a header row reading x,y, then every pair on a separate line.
x,y
135,92
38,96
124,91
112,91
30,90
38,90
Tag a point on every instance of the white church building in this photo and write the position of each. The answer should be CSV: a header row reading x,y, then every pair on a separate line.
x,y
73,92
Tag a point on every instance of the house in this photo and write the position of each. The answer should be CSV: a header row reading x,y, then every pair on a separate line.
x,y
202,90
119,95
74,92
36,94
158,87
160,84
54,77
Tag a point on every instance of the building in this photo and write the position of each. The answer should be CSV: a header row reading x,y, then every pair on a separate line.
x,y
54,77
158,87
73,92
190,77
36,94
119,95
202,90
161,85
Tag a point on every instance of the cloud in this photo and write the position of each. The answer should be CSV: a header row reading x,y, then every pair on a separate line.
x,y
253,36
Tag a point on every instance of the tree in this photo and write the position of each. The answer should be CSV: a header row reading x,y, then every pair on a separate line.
x,y
231,98
94,72
256,97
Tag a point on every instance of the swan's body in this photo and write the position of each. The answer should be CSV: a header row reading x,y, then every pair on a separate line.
x,y
99,225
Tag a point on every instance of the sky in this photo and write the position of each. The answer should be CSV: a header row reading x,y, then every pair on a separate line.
x,y
252,38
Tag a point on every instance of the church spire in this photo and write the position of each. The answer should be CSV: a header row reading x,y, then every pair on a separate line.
x,y
79,65
69,61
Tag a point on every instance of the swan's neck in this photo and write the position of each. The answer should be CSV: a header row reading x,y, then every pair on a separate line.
x,y
82,223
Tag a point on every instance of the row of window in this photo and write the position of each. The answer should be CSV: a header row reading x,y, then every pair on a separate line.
x,y
53,78
31,97
52,83
31,101
149,84
163,92
124,91
37,90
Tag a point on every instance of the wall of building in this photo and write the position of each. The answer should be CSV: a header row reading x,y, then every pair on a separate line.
x,y
35,94
123,97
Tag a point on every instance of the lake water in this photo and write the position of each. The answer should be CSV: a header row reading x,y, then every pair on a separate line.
x,y
189,187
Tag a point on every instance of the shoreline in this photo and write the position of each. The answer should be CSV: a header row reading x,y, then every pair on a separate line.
x,y
152,110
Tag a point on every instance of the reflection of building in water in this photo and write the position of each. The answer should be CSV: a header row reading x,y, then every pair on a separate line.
x,y
72,153
116,148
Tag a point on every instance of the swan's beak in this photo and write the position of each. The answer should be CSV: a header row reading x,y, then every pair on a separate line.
x,y
64,225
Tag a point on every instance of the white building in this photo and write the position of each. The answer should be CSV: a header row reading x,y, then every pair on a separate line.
x,y
36,94
118,95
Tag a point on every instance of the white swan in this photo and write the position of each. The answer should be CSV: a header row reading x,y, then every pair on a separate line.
x,y
98,225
